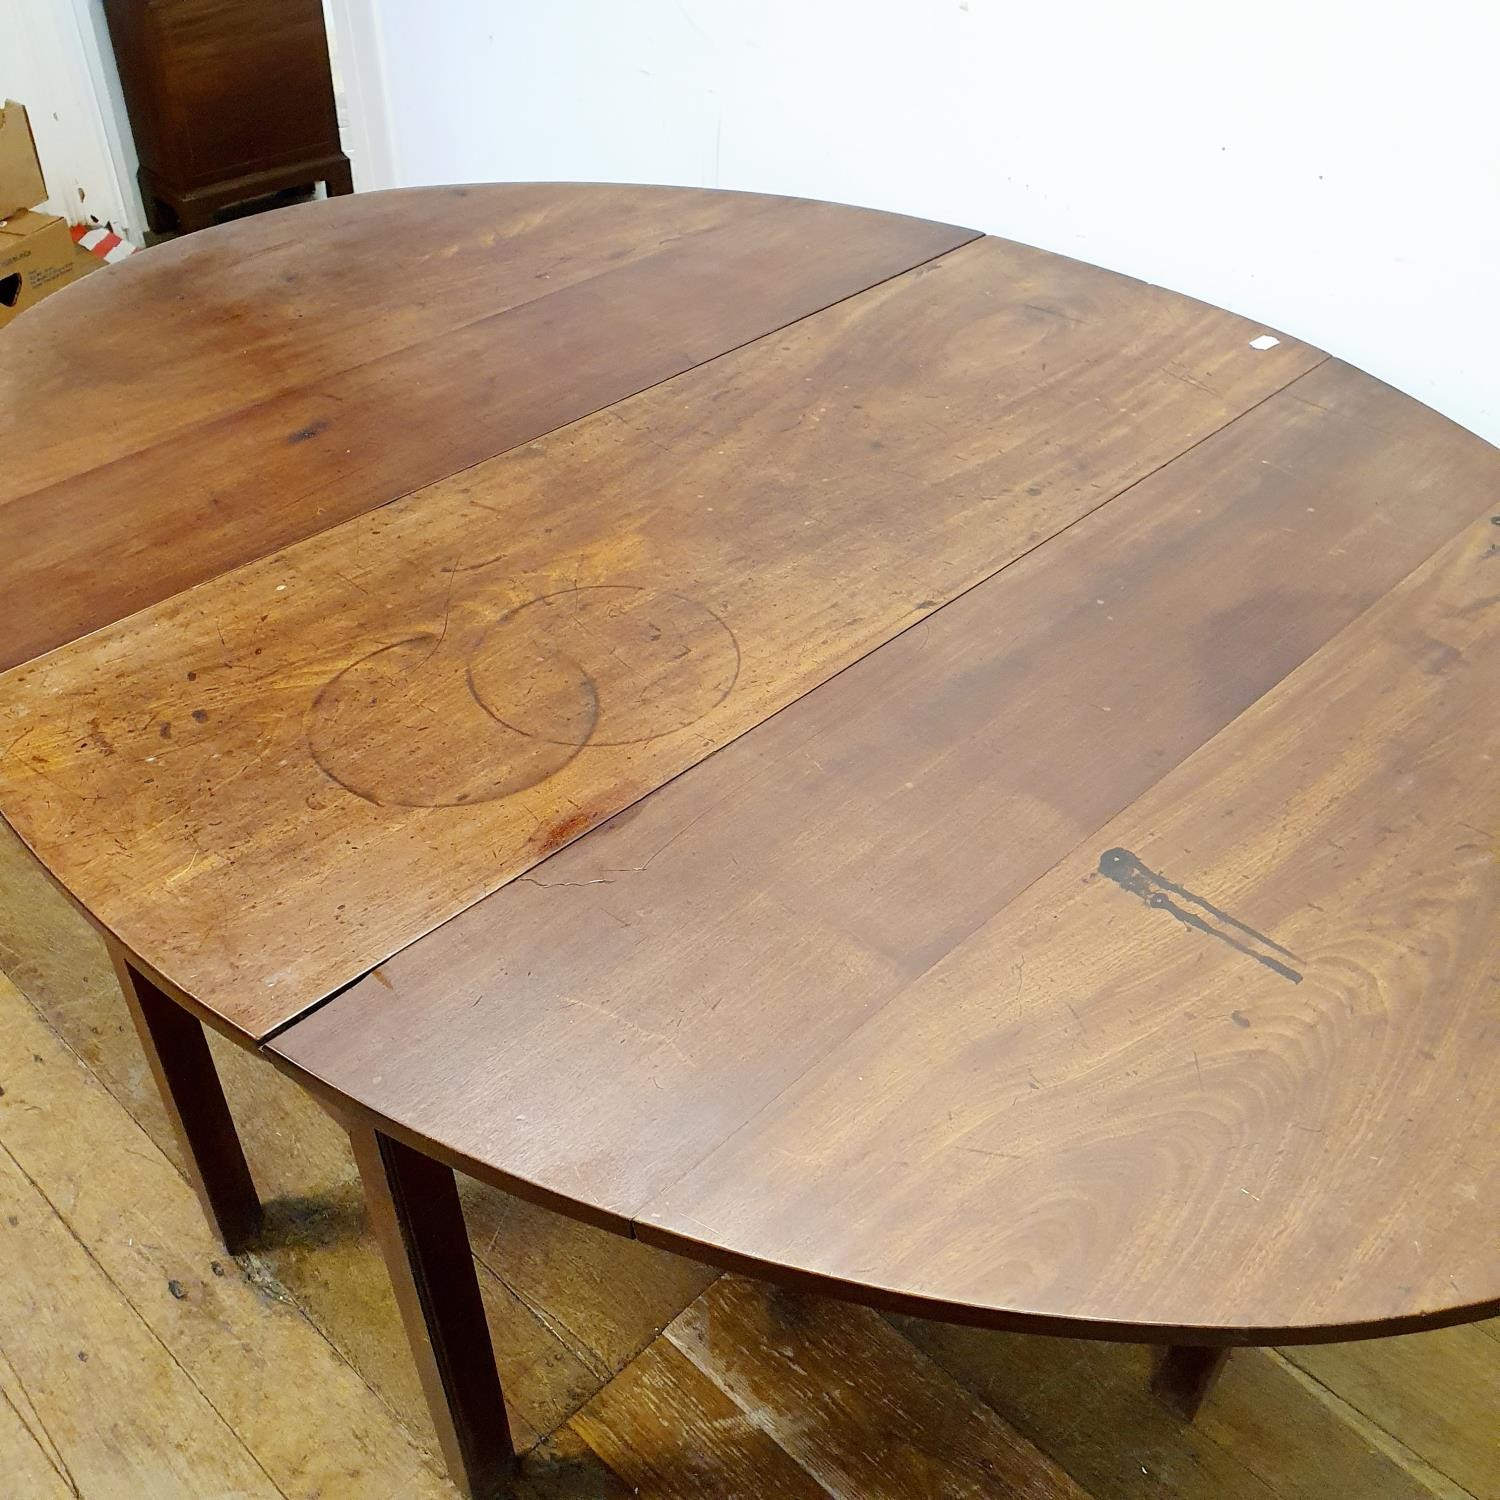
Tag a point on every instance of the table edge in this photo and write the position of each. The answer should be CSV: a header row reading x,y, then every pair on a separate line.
x,y
905,1302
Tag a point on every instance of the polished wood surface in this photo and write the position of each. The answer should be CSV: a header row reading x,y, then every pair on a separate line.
x,y
972,678
268,784
1229,1067
666,980
296,1353
258,384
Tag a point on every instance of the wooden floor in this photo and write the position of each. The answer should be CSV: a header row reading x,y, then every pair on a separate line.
x,y
137,1360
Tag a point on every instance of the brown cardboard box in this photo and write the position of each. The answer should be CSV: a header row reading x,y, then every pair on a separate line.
x,y
36,250
21,182
36,257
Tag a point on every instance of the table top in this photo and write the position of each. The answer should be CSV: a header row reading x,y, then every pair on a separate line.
x,y
1036,741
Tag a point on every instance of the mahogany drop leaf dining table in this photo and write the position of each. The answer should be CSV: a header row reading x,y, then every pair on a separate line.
x,y
846,748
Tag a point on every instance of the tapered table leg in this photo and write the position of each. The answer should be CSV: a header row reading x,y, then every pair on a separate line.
x,y
415,1209
183,1067
1185,1376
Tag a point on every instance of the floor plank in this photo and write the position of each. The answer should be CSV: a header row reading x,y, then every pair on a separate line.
x,y
1439,1391
1263,1431
27,1459
125,1204
606,1297
96,1403
564,1467
670,1432
853,1402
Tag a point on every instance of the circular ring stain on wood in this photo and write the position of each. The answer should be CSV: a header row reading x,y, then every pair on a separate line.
x,y
401,727
656,662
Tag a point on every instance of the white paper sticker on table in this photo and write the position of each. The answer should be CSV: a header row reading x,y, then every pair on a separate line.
x,y
1265,341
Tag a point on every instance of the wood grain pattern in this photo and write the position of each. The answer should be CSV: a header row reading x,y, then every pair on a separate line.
x,y
1440,1391
653,983
374,728
606,1296
1268,1433
30,1462
236,388
674,1435
56,1300
1229,1069
886,1422
318,1253
309,1419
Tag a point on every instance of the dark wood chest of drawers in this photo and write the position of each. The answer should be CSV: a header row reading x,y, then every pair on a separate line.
x,y
229,100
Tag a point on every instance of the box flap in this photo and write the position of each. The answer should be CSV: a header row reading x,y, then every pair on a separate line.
x,y
21,182
23,222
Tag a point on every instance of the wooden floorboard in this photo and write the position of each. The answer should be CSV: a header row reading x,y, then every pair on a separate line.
x,y
1437,1391
112,1256
83,1370
628,1371
883,1416
31,1469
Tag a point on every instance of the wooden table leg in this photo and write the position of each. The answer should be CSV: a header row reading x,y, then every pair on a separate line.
x,y
1185,1376
415,1209
183,1067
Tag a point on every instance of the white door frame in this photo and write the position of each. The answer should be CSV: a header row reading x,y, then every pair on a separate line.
x,y
354,39
59,64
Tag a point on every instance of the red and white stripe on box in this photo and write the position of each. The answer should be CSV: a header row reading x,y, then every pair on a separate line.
x,y
104,243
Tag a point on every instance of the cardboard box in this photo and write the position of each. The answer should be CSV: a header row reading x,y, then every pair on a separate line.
x,y
21,181
36,250
36,258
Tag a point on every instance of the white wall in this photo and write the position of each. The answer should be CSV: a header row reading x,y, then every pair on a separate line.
x,y
56,59
1331,167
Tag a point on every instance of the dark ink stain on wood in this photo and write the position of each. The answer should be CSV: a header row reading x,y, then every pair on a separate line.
x,y
302,434
200,715
1161,894
177,1290
166,729
1239,1018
